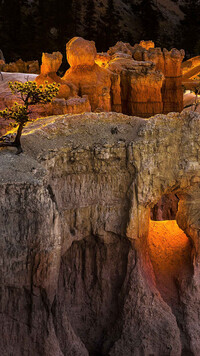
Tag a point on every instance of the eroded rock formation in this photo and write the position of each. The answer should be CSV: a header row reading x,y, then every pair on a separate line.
x,y
48,72
191,68
86,75
20,66
140,86
169,63
135,80
76,274
191,72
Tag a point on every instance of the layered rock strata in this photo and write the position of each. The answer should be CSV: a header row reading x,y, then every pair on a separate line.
x,y
140,86
135,80
76,274
170,64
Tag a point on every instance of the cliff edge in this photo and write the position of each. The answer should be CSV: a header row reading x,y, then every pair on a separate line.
x,y
76,273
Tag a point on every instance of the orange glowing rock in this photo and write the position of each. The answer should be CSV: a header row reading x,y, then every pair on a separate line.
x,y
86,75
102,59
147,44
51,62
173,62
138,52
20,66
170,254
191,68
172,88
156,56
81,52
140,86
169,62
50,65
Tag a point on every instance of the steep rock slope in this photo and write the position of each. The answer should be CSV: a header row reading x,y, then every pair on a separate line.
x,y
76,277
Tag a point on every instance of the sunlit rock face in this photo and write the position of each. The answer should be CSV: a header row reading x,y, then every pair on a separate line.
x,y
48,72
136,80
191,68
191,71
172,89
147,44
169,63
86,75
140,86
78,273
102,59
81,52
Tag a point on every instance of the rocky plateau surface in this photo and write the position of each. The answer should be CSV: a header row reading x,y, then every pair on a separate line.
x,y
76,276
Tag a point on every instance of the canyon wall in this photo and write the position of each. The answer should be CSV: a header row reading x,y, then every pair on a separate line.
x,y
76,274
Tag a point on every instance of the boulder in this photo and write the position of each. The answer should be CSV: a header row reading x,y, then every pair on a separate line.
x,y
81,52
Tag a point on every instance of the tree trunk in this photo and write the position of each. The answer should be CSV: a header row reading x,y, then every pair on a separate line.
x,y
17,142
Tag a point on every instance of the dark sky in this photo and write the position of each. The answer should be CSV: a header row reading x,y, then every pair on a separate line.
x,y
28,28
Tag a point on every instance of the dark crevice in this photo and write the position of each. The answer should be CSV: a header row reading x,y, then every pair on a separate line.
x,y
92,274
52,195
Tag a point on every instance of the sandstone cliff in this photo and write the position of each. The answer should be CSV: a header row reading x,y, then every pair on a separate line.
x,y
76,276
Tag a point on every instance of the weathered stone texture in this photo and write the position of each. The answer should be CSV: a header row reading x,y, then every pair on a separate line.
x,y
76,276
48,73
140,86
20,66
86,75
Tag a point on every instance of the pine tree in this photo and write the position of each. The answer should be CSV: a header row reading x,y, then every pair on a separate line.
x,y
30,95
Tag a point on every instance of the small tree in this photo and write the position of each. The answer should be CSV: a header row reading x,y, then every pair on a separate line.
x,y
30,94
